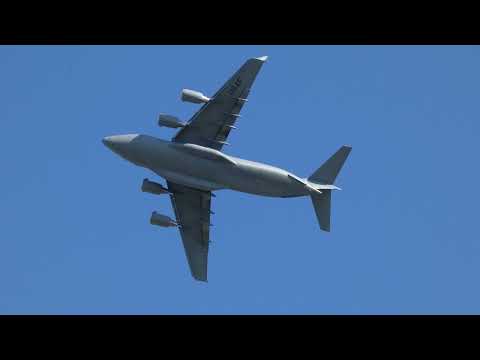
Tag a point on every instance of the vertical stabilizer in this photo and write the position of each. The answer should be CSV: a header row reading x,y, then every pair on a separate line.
x,y
322,206
326,175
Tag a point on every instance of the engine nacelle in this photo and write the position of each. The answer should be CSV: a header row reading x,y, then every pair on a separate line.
x,y
162,220
153,187
195,97
169,121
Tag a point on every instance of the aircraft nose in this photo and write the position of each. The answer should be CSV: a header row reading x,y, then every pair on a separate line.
x,y
108,141
120,144
118,140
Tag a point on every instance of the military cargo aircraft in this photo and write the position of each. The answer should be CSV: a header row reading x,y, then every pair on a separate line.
x,y
194,166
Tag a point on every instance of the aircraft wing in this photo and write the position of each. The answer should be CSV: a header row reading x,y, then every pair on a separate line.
x,y
211,125
192,210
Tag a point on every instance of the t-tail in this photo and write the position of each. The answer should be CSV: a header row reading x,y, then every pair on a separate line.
x,y
323,180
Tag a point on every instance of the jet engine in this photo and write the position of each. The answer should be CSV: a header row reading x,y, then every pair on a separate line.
x,y
162,220
195,97
169,121
153,188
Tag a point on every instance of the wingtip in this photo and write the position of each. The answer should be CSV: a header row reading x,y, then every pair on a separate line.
x,y
262,58
200,277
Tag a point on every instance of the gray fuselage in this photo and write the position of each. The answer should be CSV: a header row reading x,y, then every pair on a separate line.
x,y
204,168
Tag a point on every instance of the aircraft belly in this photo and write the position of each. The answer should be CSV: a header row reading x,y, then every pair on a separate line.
x,y
246,176
186,169
265,181
190,181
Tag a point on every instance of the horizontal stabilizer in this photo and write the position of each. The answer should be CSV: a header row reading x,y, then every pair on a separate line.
x,y
327,173
322,180
304,184
325,186
262,58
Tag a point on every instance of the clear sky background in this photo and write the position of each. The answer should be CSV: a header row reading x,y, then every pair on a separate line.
x,y
75,236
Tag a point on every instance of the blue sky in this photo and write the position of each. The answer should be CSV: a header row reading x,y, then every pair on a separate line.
x,y
75,236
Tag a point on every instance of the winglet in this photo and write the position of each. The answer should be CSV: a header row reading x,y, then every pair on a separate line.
x,y
262,58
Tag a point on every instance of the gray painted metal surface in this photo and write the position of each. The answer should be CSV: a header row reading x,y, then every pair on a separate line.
x,y
194,166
